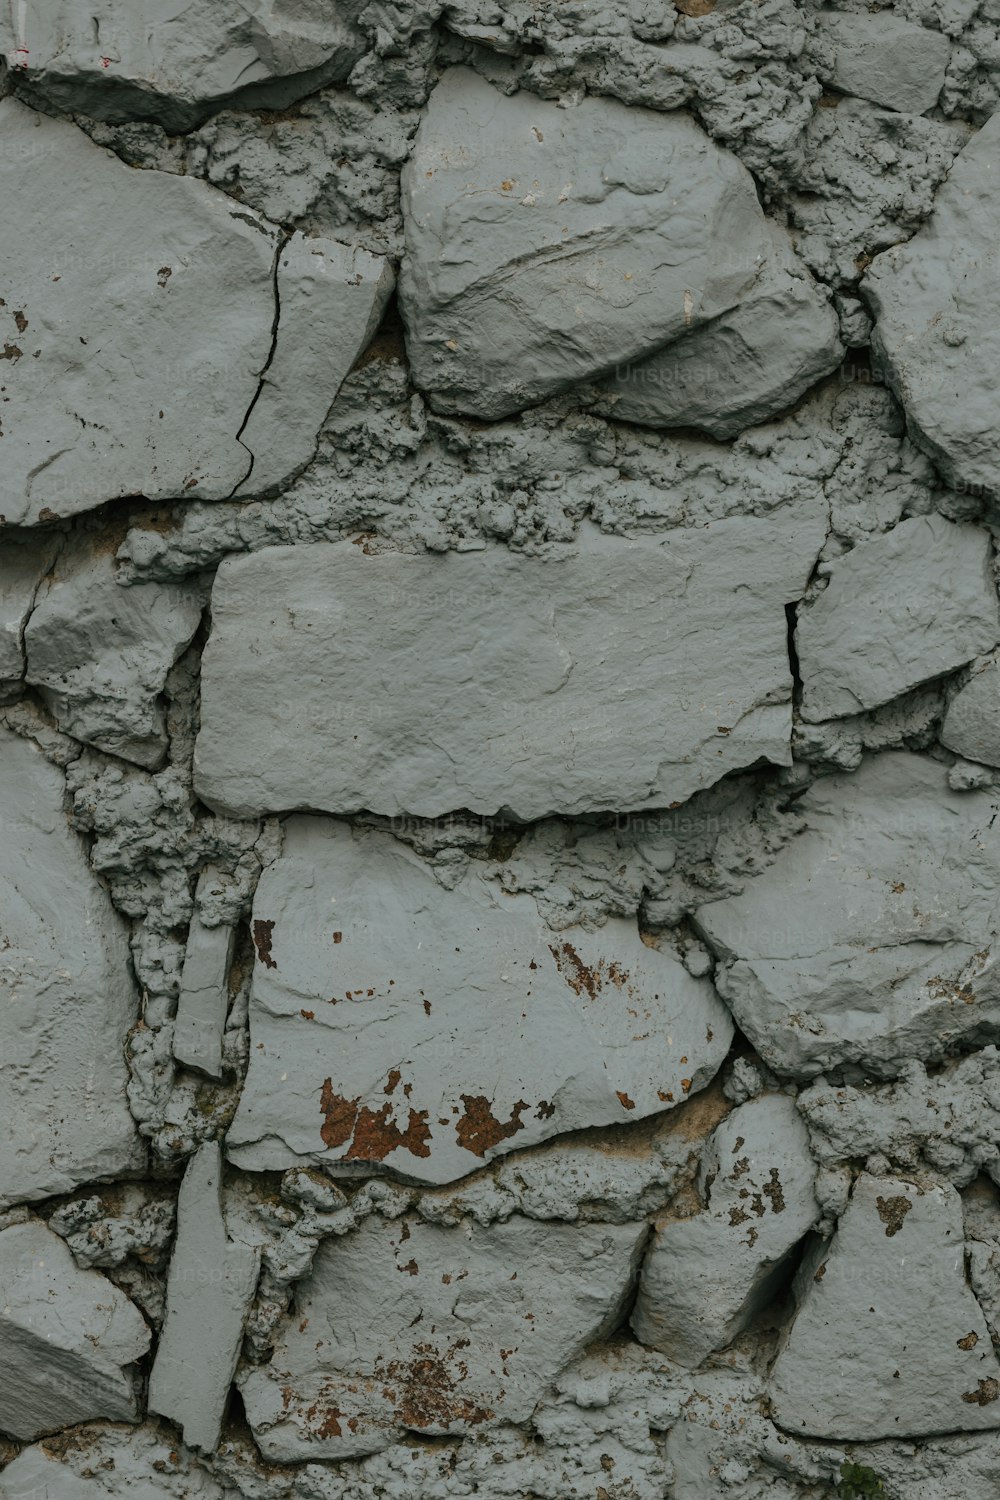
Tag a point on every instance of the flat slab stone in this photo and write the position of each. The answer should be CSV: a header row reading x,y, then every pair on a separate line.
x,y
108,389
397,1023
910,605
705,1277
204,998
210,1287
885,59
406,1326
68,1338
937,332
873,937
745,366
67,997
545,246
889,1341
422,684
972,724
175,63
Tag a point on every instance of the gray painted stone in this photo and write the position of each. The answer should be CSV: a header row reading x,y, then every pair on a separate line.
x,y
204,998
22,567
937,332
545,246
746,365
331,299
209,1291
135,344
68,1338
99,654
705,1277
872,937
394,1021
175,62
907,606
888,1340
885,59
406,1326
423,684
67,999
972,723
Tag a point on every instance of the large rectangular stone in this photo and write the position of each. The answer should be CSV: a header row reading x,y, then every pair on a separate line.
x,y
630,673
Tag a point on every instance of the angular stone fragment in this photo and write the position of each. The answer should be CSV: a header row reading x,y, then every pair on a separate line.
x,y
174,63
872,938
204,998
546,246
745,366
704,1277
907,606
331,299
23,565
396,1022
100,653
937,334
67,999
885,59
422,684
407,1326
209,1291
888,1340
68,1338
972,723
135,341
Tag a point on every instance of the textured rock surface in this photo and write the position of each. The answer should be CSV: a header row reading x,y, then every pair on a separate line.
x,y
68,996
396,1022
936,329
555,244
851,1368
69,1338
704,1277
871,938
972,723
204,998
173,63
498,683
907,606
408,1326
22,568
887,60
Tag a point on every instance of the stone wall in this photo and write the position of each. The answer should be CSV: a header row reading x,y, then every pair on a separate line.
x,y
499,750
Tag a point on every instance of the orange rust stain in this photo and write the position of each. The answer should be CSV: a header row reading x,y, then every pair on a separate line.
x,y
340,1116
624,1100
263,937
428,1395
308,1015
371,1132
586,979
479,1129
394,1076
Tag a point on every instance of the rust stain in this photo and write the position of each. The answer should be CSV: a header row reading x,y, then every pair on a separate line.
x,y
892,1212
338,937
371,1132
969,1342
478,1130
394,1076
986,1391
428,1394
624,1100
586,979
263,937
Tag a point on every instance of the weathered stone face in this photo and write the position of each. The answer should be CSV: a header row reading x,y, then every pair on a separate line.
x,y
421,685
396,1023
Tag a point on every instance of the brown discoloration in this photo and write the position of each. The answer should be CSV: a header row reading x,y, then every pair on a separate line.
x,y
986,1392
425,1391
695,7
263,937
583,979
12,352
338,937
393,1081
20,320
340,1113
163,275
624,1100
969,1342
774,1191
545,1110
373,1134
479,1130
411,1268
942,988
892,1212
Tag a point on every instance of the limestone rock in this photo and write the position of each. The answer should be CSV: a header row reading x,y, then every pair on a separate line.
x,y
912,604
872,937
422,684
135,352
746,365
209,1290
23,565
704,1277
888,1341
972,723
545,246
407,1326
175,63
331,299
99,654
67,998
885,59
67,1338
394,1021
937,332
204,998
